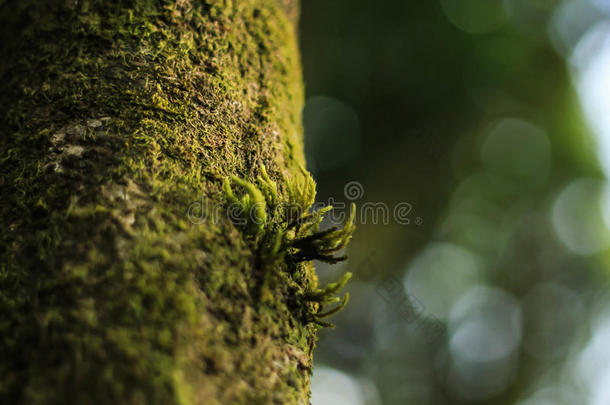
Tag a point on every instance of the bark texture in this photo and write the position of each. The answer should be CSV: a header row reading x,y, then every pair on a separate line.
x,y
116,117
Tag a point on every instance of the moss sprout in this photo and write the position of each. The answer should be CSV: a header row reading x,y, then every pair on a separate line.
x,y
257,213
250,209
326,296
284,236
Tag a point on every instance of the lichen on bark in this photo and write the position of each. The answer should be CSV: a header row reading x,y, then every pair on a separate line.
x,y
115,117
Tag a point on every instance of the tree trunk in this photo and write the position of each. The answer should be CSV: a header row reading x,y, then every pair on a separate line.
x,y
122,280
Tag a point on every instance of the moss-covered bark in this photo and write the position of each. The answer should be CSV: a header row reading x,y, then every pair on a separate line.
x,y
117,116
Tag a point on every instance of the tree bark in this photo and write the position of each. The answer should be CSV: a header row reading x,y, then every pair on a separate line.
x,y
119,122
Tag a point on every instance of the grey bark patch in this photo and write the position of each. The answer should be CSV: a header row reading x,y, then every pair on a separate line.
x,y
74,151
94,123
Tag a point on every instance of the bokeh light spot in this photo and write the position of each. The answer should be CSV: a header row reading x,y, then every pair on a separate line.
x,y
332,387
569,21
517,149
593,367
485,333
485,325
577,217
602,5
591,59
440,274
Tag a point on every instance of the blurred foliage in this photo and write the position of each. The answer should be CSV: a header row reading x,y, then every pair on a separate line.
x,y
467,111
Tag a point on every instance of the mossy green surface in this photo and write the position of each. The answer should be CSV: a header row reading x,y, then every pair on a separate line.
x,y
115,118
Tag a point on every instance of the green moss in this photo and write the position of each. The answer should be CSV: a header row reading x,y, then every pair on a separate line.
x,y
291,232
116,117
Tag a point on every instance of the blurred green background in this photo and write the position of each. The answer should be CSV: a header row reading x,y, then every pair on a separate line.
x,y
477,135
